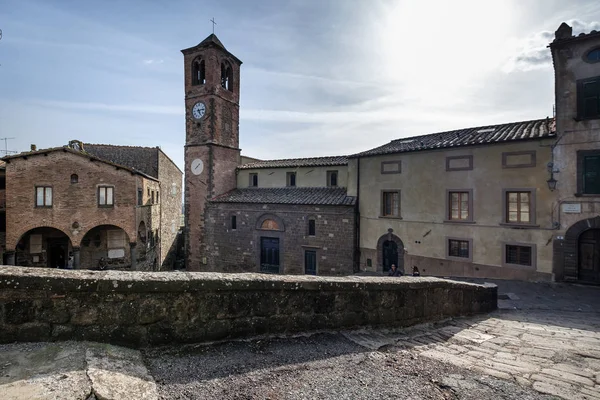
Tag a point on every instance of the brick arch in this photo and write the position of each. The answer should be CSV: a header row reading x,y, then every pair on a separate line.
x,y
566,254
264,217
14,239
391,237
107,225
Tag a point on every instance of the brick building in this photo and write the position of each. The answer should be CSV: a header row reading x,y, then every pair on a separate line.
x,y
90,203
481,202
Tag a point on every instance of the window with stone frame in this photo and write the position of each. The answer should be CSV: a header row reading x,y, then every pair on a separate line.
x,y
459,248
588,172
291,179
233,222
518,255
253,180
390,203
459,206
588,98
519,207
43,196
106,196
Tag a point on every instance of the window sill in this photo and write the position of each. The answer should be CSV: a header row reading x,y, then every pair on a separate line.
x,y
460,259
519,266
586,195
43,206
519,226
458,221
389,217
106,206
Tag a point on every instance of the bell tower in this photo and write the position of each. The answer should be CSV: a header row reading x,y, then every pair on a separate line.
x,y
212,154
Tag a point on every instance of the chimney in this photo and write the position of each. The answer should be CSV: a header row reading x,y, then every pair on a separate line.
x,y
33,147
564,31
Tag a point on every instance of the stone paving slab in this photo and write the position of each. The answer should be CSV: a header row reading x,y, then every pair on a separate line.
x,y
73,371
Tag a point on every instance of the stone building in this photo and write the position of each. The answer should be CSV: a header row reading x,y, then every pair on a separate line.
x,y
3,210
85,203
515,201
470,202
576,155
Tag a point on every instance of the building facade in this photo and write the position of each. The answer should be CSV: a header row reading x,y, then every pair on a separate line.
x,y
576,155
67,207
514,201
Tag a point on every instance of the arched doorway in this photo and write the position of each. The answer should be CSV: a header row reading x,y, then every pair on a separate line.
x,y
390,250
589,256
390,255
43,247
105,246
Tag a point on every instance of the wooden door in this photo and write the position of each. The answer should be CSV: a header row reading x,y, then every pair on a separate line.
x,y
310,262
589,256
269,255
390,255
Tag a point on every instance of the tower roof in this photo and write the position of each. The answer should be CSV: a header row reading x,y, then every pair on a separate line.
x,y
211,40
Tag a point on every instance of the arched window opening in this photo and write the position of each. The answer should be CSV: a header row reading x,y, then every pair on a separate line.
x,y
198,73
227,76
74,178
270,225
142,232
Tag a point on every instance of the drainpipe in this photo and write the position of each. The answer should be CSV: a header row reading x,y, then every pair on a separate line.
x,y
357,219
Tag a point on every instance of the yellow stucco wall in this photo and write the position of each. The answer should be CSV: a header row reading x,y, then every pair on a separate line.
x,y
424,182
305,176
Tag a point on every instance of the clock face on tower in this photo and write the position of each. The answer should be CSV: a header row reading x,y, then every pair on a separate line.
x,y
197,166
199,110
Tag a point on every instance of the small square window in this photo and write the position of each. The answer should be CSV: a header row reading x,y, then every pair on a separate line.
x,y
519,255
106,196
74,178
369,262
458,248
43,196
253,180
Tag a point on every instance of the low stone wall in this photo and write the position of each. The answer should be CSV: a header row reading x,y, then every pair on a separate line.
x,y
153,308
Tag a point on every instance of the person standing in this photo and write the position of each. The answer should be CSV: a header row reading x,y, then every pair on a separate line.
x,y
394,271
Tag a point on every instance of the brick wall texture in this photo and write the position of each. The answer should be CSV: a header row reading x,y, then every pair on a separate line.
x,y
239,250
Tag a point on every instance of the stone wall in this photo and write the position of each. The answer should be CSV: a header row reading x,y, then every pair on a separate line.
x,y
153,308
170,208
238,250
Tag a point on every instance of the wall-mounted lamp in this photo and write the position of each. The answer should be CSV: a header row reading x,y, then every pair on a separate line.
x,y
552,182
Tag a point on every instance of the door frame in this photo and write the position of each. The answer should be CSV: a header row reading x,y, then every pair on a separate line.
x,y
581,274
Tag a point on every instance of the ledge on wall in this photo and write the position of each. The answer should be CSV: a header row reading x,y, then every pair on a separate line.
x,y
153,308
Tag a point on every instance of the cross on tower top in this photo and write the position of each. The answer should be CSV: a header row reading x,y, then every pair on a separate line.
x,y
214,23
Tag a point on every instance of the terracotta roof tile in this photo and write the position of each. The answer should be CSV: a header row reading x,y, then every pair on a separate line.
x,y
297,162
306,196
526,130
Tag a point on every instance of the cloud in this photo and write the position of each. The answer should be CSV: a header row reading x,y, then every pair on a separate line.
x,y
532,52
137,108
151,61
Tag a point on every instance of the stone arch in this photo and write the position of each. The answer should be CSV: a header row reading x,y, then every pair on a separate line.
x,y
198,71
106,246
567,253
131,238
43,246
400,246
270,217
142,232
13,238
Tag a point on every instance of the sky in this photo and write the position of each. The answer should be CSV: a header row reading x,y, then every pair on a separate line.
x,y
320,77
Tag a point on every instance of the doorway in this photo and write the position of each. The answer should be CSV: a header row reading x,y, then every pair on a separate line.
x,y
390,255
310,262
589,256
57,253
269,255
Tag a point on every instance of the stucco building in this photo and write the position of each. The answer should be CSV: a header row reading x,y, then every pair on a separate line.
x,y
516,201
84,205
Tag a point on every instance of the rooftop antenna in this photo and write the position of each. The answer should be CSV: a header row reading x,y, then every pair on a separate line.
x,y
211,20
6,151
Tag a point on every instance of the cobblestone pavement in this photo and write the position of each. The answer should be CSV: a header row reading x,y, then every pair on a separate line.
x,y
544,336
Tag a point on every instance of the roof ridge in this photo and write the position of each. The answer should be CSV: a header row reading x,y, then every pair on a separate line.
x,y
472,128
120,145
